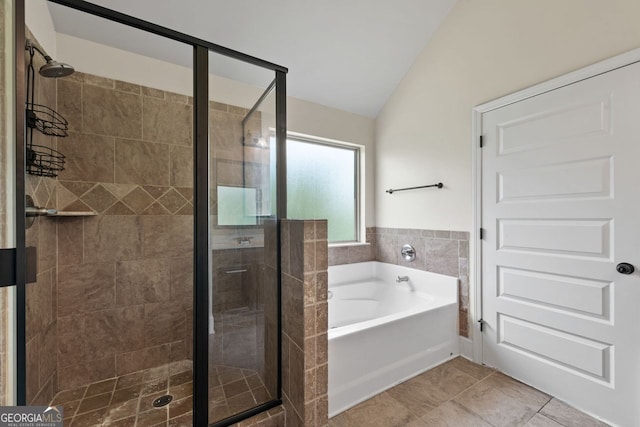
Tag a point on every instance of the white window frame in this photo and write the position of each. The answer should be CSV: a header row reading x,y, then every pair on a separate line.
x,y
359,182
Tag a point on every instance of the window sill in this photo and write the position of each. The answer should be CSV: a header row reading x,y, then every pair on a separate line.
x,y
349,244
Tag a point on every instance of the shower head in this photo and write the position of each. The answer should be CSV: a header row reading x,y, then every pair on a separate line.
x,y
55,69
51,68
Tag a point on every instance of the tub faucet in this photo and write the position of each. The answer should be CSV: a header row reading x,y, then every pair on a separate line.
x,y
401,279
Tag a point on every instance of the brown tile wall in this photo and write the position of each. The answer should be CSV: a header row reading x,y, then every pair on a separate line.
x,y
438,251
236,165
125,275
233,287
272,418
304,322
42,325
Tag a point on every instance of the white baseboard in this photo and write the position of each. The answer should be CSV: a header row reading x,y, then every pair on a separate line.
x,y
466,348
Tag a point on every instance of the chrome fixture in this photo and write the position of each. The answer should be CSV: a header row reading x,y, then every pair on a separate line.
x,y
408,253
245,240
52,68
32,211
401,279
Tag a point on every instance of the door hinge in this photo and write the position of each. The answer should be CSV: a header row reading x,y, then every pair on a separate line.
x,y
481,142
481,322
481,233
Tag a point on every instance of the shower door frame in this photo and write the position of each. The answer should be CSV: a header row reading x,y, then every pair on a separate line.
x,y
202,269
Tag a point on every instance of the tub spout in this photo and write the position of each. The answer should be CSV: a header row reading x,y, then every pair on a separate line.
x,y
401,279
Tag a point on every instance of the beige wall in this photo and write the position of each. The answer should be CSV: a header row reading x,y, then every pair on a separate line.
x,y
303,116
38,20
326,122
483,50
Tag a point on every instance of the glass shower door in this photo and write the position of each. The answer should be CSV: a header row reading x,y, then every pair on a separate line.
x,y
243,327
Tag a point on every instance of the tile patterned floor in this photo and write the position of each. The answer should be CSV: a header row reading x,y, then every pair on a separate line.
x,y
127,400
234,390
460,393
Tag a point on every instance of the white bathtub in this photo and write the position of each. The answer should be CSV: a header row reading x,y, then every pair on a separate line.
x,y
382,332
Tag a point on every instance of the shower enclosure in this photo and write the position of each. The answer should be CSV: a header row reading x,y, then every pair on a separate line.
x,y
150,184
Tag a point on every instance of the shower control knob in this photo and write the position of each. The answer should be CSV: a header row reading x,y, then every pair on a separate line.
x,y
625,268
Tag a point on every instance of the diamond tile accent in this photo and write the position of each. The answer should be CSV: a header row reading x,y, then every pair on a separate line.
x,y
172,200
41,195
65,197
138,200
49,184
78,206
30,182
156,192
186,210
99,199
119,190
186,192
78,188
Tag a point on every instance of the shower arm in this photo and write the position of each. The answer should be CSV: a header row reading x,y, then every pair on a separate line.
x,y
31,47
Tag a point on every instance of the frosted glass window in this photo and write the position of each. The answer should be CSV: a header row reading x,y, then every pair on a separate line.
x,y
237,206
322,183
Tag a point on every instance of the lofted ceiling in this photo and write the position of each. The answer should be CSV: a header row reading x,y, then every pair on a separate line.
x,y
348,55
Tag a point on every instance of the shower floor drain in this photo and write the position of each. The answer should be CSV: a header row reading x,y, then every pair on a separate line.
x,y
162,401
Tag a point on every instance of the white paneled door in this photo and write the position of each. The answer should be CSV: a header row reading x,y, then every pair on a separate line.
x,y
561,216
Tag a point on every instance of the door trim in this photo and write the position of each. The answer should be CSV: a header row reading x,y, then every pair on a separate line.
x,y
475,285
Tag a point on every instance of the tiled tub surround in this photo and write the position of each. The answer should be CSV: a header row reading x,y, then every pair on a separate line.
x,y
437,251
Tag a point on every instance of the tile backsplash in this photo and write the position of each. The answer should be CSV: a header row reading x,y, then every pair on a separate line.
x,y
438,251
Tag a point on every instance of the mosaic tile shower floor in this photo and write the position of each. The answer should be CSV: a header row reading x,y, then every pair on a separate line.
x,y
128,400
